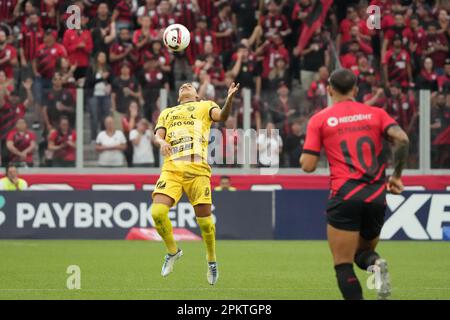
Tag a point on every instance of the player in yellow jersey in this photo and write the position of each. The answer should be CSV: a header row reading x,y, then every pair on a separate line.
x,y
182,133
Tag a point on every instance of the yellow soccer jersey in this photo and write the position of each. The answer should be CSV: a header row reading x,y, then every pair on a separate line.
x,y
187,131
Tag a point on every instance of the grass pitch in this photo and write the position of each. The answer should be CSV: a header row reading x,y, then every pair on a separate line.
x,y
248,270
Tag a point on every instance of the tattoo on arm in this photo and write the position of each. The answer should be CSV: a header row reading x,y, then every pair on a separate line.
x,y
226,109
400,149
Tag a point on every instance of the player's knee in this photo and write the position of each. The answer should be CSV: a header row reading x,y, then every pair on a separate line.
x,y
206,224
159,211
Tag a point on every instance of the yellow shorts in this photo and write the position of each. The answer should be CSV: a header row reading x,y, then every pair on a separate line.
x,y
173,184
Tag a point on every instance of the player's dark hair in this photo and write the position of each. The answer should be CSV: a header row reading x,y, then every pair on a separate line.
x,y
9,166
343,81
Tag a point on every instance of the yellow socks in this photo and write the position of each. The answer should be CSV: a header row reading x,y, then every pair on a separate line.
x,y
209,236
160,214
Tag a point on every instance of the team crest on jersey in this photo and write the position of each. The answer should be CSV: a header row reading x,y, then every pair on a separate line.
x,y
161,185
191,108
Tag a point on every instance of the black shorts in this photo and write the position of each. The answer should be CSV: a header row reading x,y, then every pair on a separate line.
x,y
354,215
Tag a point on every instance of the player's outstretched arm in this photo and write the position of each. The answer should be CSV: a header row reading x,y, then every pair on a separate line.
x,y
223,114
400,145
160,140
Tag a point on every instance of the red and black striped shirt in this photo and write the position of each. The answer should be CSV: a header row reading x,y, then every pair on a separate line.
x,y
7,10
274,24
47,57
208,8
197,46
8,116
124,10
222,44
31,39
184,11
21,141
48,15
161,21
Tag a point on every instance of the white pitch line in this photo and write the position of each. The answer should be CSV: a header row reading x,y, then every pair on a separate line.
x,y
201,289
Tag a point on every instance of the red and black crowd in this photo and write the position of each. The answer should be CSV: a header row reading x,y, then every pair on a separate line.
x,y
118,58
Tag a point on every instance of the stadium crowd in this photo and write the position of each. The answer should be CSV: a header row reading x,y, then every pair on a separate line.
x,y
118,57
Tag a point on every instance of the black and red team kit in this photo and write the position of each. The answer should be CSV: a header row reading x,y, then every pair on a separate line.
x,y
352,135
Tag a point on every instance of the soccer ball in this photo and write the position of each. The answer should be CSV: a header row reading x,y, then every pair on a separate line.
x,y
176,37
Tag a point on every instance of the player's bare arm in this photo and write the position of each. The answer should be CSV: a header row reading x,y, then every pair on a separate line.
x,y
221,115
160,140
400,144
309,162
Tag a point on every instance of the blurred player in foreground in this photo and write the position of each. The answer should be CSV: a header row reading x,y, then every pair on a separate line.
x,y
182,133
352,135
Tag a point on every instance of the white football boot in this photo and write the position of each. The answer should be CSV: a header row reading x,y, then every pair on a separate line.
x,y
169,261
213,273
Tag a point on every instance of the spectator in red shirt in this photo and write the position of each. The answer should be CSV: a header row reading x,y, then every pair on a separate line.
x,y
165,16
7,123
122,51
62,144
443,21
427,78
44,65
350,59
302,9
272,49
435,46
199,37
79,47
222,26
152,80
209,7
377,97
399,28
317,93
21,144
48,9
8,56
402,107
7,10
123,14
351,19
103,29
210,63
149,8
364,45
58,102
24,11
143,37
32,36
186,12
271,23
418,33
21,105
397,64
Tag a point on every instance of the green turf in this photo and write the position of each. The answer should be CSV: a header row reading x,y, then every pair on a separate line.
x,y
248,270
